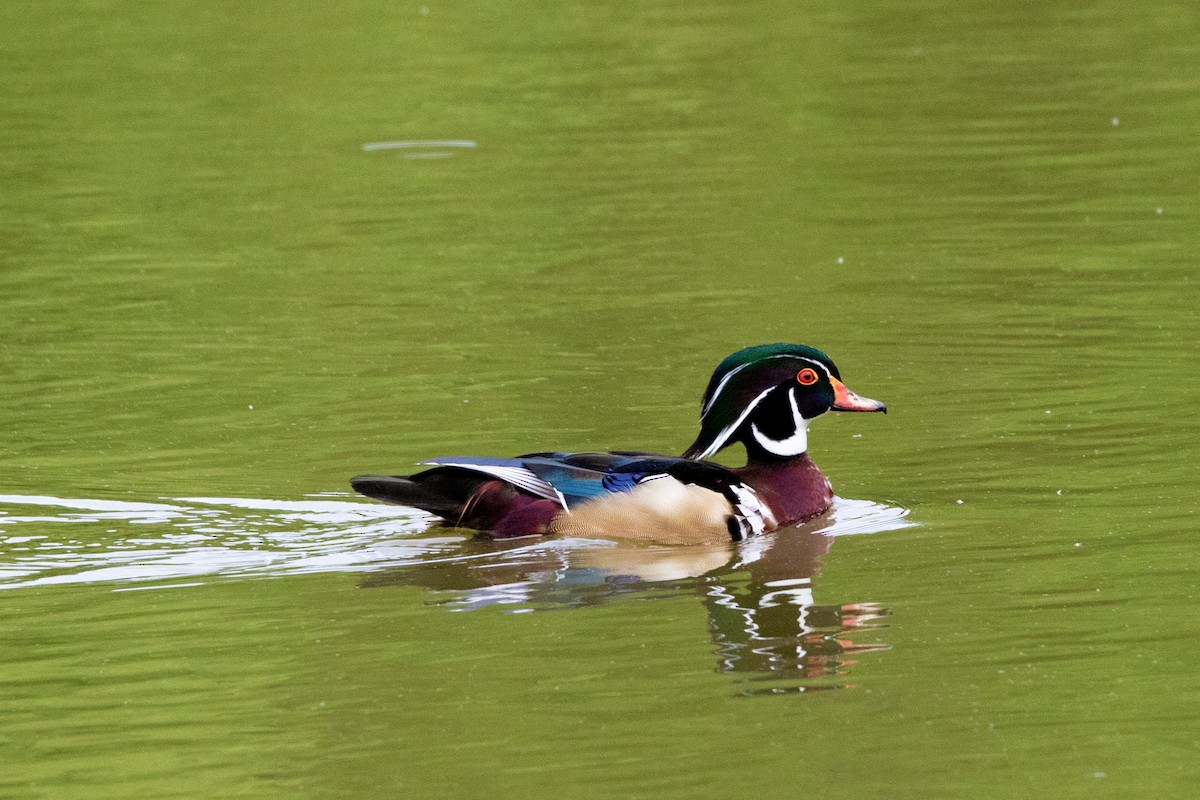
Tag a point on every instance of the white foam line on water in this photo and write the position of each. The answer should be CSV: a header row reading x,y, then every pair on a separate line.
x,y
230,537
87,505
159,586
323,512
192,538
864,516
403,145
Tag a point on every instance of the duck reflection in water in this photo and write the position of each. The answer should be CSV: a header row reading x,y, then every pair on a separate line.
x,y
763,617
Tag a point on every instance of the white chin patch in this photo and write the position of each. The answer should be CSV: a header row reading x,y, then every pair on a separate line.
x,y
793,445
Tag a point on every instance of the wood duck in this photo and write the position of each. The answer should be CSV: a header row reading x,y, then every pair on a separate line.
x,y
762,396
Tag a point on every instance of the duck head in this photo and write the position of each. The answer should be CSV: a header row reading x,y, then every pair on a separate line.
x,y
765,396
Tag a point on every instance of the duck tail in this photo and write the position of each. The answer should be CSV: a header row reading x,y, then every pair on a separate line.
x,y
404,491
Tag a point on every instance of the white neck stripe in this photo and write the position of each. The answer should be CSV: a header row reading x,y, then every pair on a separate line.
x,y
793,445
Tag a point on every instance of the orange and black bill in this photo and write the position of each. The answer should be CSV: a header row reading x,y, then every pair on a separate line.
x,y
846,400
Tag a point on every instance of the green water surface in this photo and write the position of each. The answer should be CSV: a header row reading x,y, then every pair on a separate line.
x,y
250,249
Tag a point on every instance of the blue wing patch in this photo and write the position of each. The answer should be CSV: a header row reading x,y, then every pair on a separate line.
x,y
622,481
583,476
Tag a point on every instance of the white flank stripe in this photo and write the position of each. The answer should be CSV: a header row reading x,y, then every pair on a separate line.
x,y
751,509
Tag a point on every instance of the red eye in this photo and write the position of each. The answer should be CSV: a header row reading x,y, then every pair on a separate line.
x,y
806,376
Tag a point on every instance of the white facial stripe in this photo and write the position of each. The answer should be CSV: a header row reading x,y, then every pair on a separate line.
x,y
815,363
718,442
793,445
720,386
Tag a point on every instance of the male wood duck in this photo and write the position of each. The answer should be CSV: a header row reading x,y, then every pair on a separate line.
x,y
762,396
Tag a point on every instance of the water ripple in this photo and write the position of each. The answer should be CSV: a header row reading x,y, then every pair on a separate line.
x,y
765,621
51,540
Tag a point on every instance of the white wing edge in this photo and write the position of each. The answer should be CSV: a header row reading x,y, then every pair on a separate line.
x,y
517,476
